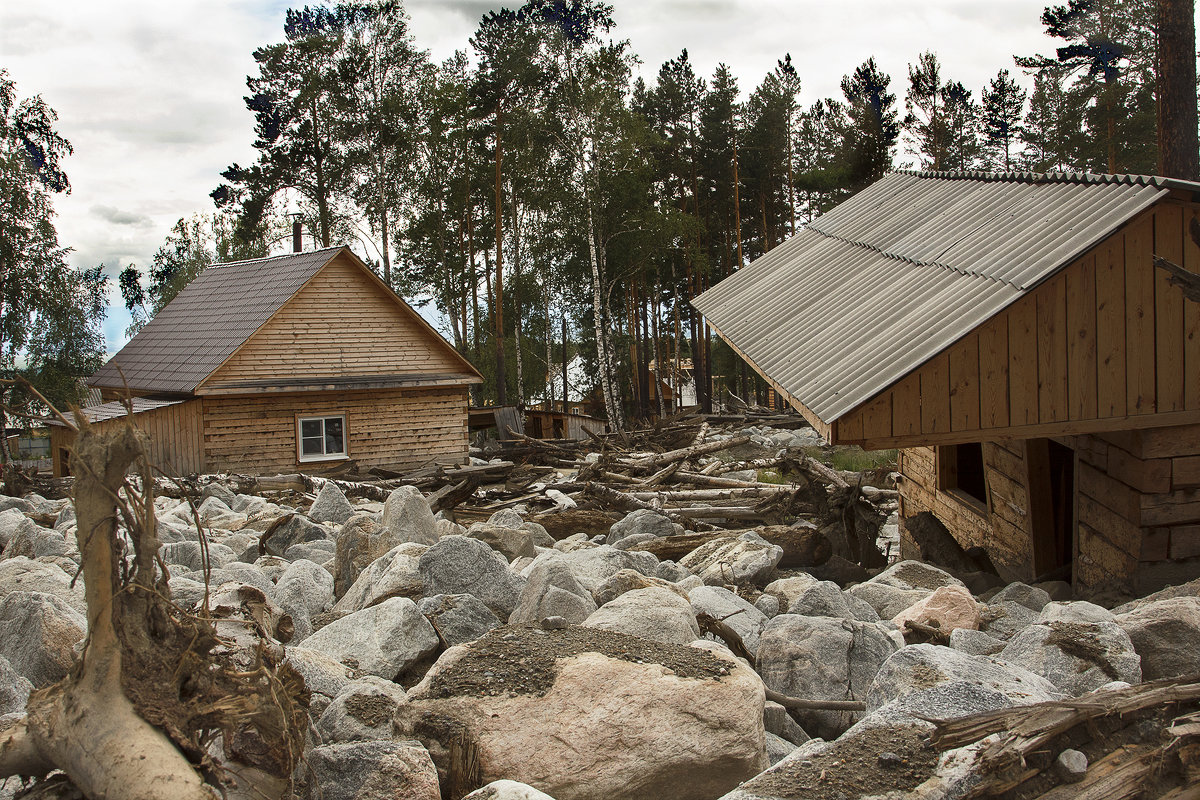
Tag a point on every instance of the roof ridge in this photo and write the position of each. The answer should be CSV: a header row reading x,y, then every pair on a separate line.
x,y
1081,178
263,259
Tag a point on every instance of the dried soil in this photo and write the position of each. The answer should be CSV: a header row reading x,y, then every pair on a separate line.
x,y
524,659
855,768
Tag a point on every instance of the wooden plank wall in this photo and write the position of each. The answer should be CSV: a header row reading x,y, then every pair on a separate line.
x,y
1003,530
340,325
400,428
175,444
1107,338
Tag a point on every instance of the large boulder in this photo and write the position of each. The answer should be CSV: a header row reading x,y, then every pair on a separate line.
x,y
1164,633
546,707
331,505
747,558
736,612
460,565
887,600
1077,657
372,771
292,531
396,573
803,544
512,543
805,595
824,658
304,590
14,689
360,541
626,581
11,519
362,712
651,613
383,640
592,566
941,683
1032,597
458,618
916,575
22,574
407,517
640,522
33,541
38,634
552,590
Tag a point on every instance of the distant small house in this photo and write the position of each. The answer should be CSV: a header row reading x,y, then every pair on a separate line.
x,y
284,364
1012,335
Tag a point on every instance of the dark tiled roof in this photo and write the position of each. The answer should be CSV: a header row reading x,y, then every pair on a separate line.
x,y
900,271
207,321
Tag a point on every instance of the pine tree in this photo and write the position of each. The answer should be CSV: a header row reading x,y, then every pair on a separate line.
x,y
871,125
1002,112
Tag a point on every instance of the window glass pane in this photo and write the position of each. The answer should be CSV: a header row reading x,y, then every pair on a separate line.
x,y
310,427
334,439
311,447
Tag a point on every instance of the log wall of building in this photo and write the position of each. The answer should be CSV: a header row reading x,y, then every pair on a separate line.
x,y
174,443
398,428
341,324
1003,527
1105,340
1137,507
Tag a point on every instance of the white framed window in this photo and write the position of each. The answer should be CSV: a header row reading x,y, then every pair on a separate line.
x,y
321,438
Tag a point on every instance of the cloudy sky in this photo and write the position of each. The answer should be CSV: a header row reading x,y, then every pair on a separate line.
x,y
150,92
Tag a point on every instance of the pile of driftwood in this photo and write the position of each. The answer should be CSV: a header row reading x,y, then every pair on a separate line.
x,y
586,485
1142,741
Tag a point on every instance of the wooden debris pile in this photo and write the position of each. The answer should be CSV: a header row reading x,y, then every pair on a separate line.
x,y
1139,742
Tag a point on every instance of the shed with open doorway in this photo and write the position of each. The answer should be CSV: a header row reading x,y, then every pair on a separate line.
x,y
1013,337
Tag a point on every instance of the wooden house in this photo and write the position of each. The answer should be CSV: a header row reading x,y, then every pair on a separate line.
x,y
285,364
1012,336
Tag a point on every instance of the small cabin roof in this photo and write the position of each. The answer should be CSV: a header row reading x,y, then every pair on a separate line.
x,y
216,314
890,278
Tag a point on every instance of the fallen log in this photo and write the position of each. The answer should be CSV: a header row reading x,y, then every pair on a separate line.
x,y
626,502
716,481
687,452
762,490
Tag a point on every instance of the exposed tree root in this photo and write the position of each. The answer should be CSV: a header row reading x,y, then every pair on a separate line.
x,y
141,714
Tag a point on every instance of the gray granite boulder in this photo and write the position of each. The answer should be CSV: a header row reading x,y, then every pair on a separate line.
x,y
331,505
11,519
626,581
1076,657
512,543
552,590
1029,596
736,612
324,675
304,590
38,634
916,575
383,640
824,658
1165,634
653,613
641,521
507,790
399,770
393,574
592,566
979,683
22,574
747,558
1004,619
294,530
461,565
458,618
407,518
14,689
362,712
887,600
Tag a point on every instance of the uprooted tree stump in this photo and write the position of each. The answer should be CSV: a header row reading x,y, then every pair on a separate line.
x,y
158,705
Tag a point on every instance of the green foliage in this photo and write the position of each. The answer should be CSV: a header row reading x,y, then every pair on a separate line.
x,y
49,314
853,459
190,247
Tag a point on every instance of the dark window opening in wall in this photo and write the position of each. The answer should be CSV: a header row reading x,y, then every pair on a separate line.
x,y
1051,507
960,470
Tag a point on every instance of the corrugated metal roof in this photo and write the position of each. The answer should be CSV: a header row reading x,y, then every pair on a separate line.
x,y
116,408
896,274
207,321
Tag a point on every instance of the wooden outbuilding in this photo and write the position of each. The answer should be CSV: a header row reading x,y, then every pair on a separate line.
x,y
285,364
1011,335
